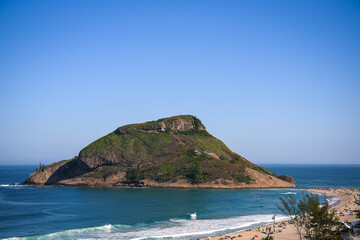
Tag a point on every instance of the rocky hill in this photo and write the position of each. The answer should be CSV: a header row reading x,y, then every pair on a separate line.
x,y
169,152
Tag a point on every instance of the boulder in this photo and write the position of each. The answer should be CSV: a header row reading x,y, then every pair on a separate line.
x,y
287,178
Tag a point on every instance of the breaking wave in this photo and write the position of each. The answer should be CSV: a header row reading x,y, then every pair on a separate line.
x,y
11,185
171,229
332,200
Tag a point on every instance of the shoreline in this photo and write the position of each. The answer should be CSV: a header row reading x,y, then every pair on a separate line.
x,y
159,186
343,208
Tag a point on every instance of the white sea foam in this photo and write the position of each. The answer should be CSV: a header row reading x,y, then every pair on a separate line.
x,y
332,200
289,193
171,229
14,186
81,233
11,185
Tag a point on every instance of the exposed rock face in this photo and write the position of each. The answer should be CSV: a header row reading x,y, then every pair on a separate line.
x,y
55,173
42,176
287,178
169,152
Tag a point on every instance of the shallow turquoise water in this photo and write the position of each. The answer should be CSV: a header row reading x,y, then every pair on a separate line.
x,y
127,213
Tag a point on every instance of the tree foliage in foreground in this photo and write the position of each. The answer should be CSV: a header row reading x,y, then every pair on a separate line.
x,y
290,208
312,219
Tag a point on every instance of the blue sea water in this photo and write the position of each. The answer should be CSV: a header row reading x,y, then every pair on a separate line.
x,y
48,212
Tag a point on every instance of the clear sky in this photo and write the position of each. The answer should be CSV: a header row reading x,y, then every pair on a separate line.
x,y
277,81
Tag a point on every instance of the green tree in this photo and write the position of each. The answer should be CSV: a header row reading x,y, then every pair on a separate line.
x,y
133,176
194,173
312,219
290,208
41,167
320,220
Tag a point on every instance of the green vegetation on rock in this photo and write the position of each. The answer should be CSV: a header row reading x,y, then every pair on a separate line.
x,y
102,172
170,150
133,176
263,170
41,167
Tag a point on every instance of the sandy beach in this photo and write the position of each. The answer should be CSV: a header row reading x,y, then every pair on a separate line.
x,y
344,208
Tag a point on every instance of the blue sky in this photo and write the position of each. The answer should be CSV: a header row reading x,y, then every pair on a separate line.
x,y
277,81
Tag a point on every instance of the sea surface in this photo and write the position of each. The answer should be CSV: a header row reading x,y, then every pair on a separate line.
x,y
29,212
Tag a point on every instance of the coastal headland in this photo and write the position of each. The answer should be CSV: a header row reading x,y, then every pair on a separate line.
x,y
344,207
175,152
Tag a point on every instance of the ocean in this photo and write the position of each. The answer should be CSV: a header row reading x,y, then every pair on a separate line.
x,y
48,212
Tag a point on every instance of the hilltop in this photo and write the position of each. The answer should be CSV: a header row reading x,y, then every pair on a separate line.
x,y
170,152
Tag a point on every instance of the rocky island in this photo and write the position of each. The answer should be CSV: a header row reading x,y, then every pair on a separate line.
x,y
170,152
